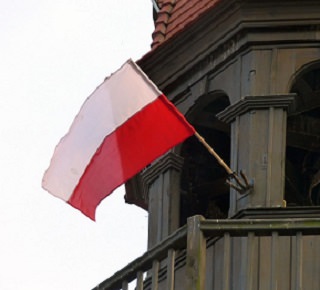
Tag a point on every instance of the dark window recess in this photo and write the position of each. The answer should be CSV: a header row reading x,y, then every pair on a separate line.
x,y
303,142
203,181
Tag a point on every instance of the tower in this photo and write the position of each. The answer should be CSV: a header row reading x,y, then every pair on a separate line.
x,y
246,74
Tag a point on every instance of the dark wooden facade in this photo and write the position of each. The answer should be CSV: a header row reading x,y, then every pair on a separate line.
x,y
246,74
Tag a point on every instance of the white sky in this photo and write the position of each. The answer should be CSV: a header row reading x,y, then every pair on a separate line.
x,y
53,54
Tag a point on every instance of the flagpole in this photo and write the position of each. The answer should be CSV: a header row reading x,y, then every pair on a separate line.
x,y
243,186
214,153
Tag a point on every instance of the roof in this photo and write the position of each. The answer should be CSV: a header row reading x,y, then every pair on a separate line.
x,y
175,15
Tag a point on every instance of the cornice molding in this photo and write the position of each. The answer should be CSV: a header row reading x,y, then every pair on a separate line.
x,y
137,188
249,103
168,161
224,32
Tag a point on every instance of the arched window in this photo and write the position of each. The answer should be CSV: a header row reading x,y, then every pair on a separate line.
x,y
202,185
303,140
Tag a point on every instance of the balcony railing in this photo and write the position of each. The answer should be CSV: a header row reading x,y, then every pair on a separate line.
x,y
191,243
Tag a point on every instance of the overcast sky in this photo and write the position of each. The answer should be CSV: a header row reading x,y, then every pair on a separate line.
x,y
53,54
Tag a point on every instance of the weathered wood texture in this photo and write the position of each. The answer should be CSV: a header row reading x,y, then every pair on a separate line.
x,y
163,183
171,269
242,49
196,255
257,254
262,120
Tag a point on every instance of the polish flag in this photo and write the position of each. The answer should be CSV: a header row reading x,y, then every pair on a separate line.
x,y
123,126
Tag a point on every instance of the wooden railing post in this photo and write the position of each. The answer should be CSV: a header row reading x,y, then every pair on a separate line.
x,y
155,275
125,285
139,280
196,255
171,269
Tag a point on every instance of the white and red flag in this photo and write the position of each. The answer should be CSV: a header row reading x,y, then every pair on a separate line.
x,y
123,126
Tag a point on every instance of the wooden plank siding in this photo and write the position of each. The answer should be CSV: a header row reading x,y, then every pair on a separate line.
x,y
257,254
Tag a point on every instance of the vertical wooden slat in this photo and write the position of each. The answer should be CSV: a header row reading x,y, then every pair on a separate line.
x,y
316,269
170,269
226,261
155,275
139,280
269,189
196,255
234,162
125,285
274,260
293,261
298,275
251,261
159,193
283,262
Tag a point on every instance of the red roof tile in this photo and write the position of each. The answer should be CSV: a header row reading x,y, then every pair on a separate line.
x,y
175,15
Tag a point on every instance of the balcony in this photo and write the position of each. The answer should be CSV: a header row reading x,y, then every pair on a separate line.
x,y
279,249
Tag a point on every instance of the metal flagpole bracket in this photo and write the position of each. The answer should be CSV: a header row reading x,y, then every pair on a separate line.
x,y
242,184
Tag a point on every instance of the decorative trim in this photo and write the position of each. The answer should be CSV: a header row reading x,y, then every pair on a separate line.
x,y
150,173
137,188
235,29
278,213
249,103
134,194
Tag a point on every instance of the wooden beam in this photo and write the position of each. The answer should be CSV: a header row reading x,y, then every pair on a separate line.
x,y
196,255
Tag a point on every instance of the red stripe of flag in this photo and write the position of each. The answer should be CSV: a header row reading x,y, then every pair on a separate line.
x,y
144,137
